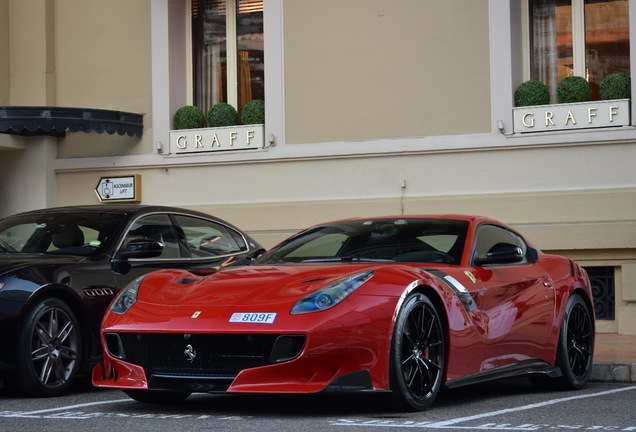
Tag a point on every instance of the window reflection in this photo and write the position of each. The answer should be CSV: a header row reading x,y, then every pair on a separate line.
x,y
227,48
605,37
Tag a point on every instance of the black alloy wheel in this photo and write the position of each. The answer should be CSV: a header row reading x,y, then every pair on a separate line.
x,y
418,354
49,349
576,344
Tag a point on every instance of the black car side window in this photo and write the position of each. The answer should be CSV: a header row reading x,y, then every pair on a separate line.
x,y
156,227
209,239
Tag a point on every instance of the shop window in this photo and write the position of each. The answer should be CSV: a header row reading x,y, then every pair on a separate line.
x,y
227,52
602,281
588,38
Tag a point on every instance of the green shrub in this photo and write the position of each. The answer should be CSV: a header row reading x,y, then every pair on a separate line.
x,y
188,117
222,114
253,112
574,89
616,85
532,92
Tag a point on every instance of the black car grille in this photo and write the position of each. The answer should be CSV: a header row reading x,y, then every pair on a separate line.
x,y
202,355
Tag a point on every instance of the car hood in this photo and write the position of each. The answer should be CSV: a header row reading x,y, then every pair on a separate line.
x,y
13,262
245,286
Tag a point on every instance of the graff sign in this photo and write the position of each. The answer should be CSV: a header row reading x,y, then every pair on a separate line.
x,y
217,139
584,115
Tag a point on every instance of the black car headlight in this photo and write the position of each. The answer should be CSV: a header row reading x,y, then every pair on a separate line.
x,y
330,295
126,297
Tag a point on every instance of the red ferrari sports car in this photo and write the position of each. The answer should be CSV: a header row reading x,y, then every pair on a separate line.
x,y
397,305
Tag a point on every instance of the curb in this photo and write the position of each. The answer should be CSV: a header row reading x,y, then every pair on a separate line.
x,y
613,372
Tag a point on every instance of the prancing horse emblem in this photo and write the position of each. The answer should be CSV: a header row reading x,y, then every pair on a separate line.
x,y
190,353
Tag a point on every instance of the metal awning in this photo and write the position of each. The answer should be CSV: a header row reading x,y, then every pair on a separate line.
x,y
56,121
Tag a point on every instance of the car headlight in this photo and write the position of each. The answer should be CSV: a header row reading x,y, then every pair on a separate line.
x,y
330,295
126,297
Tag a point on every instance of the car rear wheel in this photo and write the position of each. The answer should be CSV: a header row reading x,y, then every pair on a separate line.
x,y
576,344
417,354
49,349
157,397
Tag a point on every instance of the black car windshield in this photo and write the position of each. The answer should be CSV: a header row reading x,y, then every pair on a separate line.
x,y
58,233
384,240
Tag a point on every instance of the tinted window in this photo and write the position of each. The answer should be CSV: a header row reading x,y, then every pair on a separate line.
x,y
58,233
158,228
209,239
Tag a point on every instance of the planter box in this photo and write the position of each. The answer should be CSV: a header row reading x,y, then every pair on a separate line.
x,y
230,138
582,115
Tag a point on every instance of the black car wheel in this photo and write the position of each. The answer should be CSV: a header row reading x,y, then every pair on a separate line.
x,y
157,397
417,354
576,344
48,349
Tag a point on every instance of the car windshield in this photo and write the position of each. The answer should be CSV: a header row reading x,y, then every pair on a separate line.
x,y
58,233
384,240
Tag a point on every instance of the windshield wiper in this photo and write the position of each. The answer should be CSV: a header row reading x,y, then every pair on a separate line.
x,y
345,259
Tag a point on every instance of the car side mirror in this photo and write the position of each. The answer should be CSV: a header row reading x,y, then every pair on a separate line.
x,y
502,253
254,254
141,249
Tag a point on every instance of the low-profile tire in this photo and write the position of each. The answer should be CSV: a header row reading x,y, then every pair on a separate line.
x,y
157,397
48,349
418,355
576,344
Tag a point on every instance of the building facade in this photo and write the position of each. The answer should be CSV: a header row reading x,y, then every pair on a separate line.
x,y
372,107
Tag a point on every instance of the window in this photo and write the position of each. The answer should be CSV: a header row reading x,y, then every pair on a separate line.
x,y
207,239
228,60
158,228
588,38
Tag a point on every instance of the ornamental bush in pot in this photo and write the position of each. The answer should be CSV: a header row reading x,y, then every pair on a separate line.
x,y
616,85
253,112
574,89
188,117
532,92
222,114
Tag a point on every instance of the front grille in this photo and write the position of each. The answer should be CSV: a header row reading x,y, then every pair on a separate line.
x,y
209,355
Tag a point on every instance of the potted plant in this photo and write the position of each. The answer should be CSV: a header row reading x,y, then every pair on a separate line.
x,y
188,117
616,85
253,112
532,92
222,114
574,89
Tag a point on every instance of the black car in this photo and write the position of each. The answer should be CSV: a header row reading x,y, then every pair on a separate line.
x,y
61,267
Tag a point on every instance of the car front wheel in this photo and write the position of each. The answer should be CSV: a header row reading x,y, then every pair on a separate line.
x,y
417,354
49,349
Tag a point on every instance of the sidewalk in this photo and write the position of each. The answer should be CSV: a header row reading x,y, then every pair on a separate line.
x,y
614,358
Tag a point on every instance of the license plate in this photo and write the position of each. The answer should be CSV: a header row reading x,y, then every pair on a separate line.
x,y
253,317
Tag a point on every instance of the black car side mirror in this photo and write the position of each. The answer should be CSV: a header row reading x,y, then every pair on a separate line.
x,y
502,253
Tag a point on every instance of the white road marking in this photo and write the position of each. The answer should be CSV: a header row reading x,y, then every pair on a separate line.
x,y
68,407
454,423
526,407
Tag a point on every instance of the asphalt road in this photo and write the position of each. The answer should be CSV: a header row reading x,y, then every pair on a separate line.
x,y
513,405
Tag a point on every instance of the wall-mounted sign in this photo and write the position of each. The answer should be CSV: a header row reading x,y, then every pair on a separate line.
x,y
228,138
583,115
119,189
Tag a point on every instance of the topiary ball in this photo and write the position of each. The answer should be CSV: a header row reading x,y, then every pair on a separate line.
x,y
222,114
574,89
532,92
616,85
253,112
188,117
